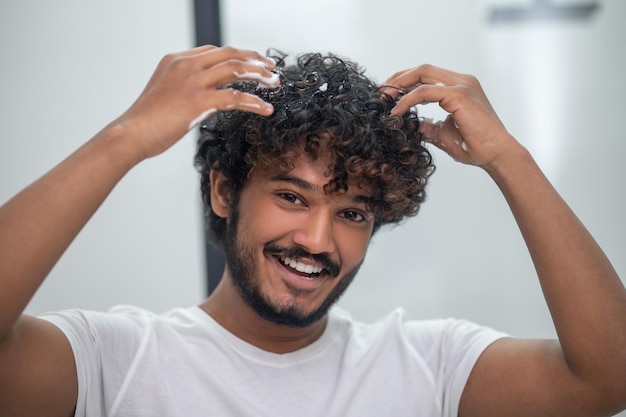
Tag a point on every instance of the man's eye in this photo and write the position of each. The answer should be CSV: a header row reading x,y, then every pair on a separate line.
x,y
291,198
353,216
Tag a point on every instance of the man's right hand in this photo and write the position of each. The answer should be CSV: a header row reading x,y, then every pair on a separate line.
x,y
184,90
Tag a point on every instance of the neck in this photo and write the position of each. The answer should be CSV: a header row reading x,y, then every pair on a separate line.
x,y
228,308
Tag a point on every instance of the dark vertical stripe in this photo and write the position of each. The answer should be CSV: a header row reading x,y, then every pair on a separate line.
x,y
207,18
208,32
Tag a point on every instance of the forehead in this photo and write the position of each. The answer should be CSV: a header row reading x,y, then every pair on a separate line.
x,y
309,174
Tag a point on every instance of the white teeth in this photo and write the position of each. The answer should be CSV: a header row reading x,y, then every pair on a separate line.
x,y
301,266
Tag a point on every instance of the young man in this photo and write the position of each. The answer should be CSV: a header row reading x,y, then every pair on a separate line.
x,y
294,191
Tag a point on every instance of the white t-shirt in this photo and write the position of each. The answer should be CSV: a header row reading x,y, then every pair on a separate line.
x,y
131,362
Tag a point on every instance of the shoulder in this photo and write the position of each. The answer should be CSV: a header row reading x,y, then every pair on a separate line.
x,y
120,322
420,332
438,340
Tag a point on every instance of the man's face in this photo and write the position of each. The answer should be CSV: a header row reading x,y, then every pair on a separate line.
x,y
292,249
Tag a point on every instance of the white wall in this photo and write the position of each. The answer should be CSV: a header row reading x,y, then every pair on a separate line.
x,y
559,88
68,68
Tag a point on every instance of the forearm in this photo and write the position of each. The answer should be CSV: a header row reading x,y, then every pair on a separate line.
x,y
584,294
39,223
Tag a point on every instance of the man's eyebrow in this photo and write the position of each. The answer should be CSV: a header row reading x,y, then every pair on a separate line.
x,y
307,186
298,182
362,199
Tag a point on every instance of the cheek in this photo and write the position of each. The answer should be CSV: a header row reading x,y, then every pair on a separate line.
x,y
263,222
353,245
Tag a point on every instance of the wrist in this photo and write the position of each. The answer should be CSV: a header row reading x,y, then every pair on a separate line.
x,y
508,160
119,141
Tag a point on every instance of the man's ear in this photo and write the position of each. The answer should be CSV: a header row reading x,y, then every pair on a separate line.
x,y
220,194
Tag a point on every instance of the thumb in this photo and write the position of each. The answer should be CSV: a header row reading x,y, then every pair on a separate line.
x,y
446,136
430,130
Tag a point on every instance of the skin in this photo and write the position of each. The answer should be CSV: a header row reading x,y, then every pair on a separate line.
x,y
580,374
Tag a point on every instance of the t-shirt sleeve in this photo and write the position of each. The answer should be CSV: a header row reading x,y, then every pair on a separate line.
x,y
450,349
101,362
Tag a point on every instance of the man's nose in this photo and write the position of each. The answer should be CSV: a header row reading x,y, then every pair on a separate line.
x,y
316,234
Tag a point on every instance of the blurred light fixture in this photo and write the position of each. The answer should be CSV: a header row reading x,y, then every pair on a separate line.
x,y
543,10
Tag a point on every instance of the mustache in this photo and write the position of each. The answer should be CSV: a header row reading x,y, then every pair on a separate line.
x,y
296,252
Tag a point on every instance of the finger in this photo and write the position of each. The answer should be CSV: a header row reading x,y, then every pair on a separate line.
x,y
447,137
169,59
234,70
450,135
190,53
245,64
427,74
422,94
406,81
430,130
229,99
196,51
213,57
390,86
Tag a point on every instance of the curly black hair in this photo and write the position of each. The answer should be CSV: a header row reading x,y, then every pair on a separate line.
x,y
320,96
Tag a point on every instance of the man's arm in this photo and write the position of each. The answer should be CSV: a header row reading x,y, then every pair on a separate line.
x,y
583,372
37,371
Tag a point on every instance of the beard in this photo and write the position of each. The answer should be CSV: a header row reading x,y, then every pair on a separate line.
x,y
240,261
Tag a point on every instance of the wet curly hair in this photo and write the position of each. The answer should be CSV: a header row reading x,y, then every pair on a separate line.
x,y
324,103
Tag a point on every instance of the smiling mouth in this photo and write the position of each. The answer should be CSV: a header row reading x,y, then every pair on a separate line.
x,y
306,271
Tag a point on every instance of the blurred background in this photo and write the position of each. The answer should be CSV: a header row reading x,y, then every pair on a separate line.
x,y
554,71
